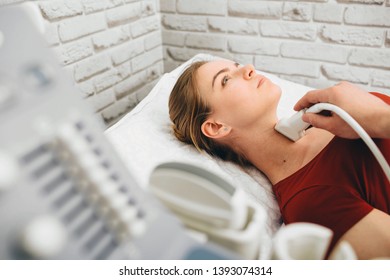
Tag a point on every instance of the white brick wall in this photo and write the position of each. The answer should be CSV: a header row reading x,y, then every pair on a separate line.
x,y
314,42
116,50
111,48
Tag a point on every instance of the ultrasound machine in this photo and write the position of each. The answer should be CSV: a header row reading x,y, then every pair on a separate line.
x,y
64,193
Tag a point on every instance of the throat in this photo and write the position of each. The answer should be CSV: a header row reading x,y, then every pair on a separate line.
x,y
279,157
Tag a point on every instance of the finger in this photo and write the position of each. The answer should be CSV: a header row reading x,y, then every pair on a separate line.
x,y
311,97
318,121
333,124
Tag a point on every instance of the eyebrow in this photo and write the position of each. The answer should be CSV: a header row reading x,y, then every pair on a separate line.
x,y
220,72
216,75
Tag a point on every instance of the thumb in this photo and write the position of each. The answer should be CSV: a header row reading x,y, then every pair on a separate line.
x,y
317,120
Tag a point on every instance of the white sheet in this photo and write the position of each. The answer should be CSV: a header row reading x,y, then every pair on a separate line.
x,y
143,139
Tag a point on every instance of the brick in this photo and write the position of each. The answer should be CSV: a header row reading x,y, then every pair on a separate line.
x,y
218,24
86,88
310,82
346,73
92,6
295,79
54,10
201,7
287,66
318,83
110,37
153,40
127,51
77,27
243,59
252,45
141,93
256,9
181,54
332,13
51,34
381,79
315,52
101,100
106,79
146,59
297,11
184,23
388,37
145,25
370,57
75,51
123,14
117,109
124,70
168,6
233,25
155,71
170,65
91,66
128,86
363,15
288,30
353,36
148,8
173,38
132,98
206,41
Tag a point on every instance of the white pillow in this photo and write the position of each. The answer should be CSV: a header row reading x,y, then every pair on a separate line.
x,y
143,139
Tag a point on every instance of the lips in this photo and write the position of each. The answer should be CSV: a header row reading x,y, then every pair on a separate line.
x,y
260,81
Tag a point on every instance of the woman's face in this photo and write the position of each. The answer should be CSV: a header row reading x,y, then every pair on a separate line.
x,y
237,95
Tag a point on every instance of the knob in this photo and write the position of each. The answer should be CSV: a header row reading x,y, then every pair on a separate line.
x,y
43,238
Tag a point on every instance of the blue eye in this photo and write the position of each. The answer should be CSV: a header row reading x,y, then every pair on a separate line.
x,y
224,80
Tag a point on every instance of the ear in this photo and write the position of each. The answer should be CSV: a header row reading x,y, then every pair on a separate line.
x,y
213,129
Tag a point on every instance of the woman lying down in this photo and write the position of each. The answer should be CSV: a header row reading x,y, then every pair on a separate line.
x,y
229,111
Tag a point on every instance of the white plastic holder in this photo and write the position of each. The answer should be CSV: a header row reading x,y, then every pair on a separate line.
x,y
307,241
245,242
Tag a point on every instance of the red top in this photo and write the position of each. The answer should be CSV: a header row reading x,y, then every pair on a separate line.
x,y
338,187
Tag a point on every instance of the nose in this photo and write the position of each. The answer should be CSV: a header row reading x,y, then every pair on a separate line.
x,y
248,71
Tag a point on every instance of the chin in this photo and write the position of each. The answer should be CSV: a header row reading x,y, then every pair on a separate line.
x,y
275,91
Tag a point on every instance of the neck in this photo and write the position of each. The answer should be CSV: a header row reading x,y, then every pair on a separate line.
x,y
278,157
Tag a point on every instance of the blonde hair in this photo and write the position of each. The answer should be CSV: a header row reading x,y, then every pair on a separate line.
x,y
188,110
